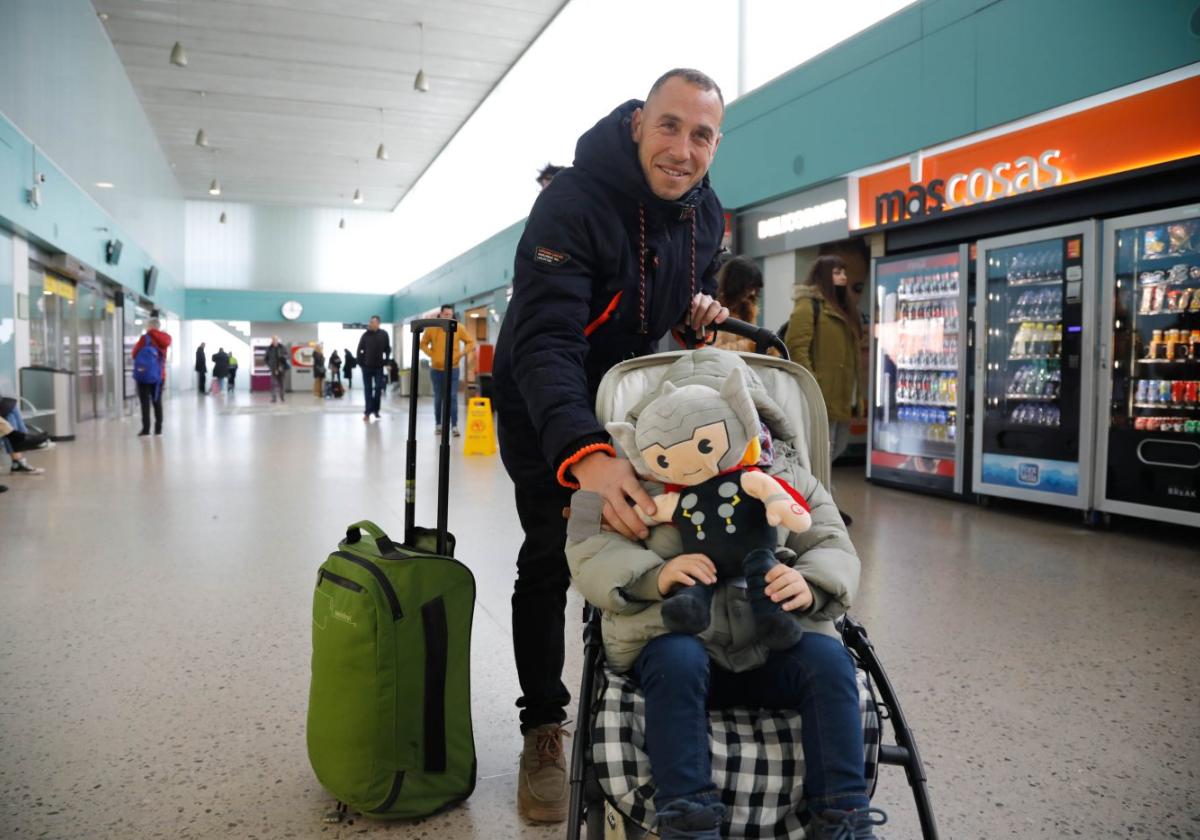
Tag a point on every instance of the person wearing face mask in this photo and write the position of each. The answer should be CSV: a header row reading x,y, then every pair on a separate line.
x,y
618,250
823,335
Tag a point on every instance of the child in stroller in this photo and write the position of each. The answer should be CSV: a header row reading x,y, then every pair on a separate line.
x,y
682,675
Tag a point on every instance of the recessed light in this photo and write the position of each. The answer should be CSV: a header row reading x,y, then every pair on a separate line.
x,y
104,185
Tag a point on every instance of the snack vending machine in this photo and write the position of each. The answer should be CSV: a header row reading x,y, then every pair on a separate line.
x,y
1034,365
919,307
1148,442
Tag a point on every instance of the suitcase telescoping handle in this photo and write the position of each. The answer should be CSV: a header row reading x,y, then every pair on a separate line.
x,y
450,325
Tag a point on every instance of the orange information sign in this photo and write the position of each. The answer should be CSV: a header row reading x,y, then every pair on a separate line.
x,y
1142,129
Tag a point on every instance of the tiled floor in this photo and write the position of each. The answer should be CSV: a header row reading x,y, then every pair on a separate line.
x,y
154,638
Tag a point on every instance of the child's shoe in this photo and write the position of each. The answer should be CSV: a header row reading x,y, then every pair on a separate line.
x,y
858,824
691,818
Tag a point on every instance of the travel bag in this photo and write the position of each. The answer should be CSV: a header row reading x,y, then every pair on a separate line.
x,y
389,713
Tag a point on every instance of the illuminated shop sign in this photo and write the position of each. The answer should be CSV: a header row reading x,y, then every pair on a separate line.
x,y
811,217
1100,136
819,214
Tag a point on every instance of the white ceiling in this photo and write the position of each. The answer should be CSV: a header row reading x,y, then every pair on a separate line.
x,y
292,88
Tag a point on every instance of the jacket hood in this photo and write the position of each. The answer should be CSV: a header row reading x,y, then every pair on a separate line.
x,y
607,153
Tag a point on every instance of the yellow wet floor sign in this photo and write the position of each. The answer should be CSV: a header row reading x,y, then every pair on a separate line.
x,y
481,437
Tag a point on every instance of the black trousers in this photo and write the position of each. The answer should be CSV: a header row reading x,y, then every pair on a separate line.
x,y
151,395
200,380
539,603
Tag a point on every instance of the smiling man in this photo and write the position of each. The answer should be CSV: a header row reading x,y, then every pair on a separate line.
x,y
618,249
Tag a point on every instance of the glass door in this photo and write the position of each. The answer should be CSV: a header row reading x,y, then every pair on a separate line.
x,y
89,344
1149,459
1034,366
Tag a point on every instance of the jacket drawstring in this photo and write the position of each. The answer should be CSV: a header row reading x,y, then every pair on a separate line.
x,y
643,327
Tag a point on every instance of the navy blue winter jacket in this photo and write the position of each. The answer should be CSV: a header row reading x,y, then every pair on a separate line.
x,y
581,302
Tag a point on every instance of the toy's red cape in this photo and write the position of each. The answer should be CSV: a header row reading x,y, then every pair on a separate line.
x,y
791,491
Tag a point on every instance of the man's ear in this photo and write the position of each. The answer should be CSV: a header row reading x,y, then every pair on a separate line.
x,y
636,125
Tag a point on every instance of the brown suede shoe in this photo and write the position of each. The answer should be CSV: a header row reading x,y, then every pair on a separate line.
x,y
542,790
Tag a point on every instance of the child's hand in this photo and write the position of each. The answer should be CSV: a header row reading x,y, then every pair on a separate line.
x,y
785,586
686,570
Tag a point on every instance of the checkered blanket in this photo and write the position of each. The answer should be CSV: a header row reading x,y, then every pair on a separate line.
x,y
757,760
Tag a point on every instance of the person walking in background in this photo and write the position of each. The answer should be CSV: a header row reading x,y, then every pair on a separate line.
x,y
150,372
233,365
220,370
277,365
374,349
335,367
739,285
433,344
348,364
393,372
318,372
201,368
823,335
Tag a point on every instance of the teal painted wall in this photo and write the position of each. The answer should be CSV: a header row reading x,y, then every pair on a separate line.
x,y
8,324
64,87
935,71
487,266
232,305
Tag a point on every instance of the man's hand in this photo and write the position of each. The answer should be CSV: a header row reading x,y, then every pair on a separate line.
x,y
616,482
786,587
686,570
705,310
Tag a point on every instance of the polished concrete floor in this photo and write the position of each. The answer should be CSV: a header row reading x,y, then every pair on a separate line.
x,y
154,638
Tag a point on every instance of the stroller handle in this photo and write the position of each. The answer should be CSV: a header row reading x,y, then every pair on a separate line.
x,y
762,337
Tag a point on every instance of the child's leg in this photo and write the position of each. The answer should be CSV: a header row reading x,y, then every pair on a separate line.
x,y
816,678
673,673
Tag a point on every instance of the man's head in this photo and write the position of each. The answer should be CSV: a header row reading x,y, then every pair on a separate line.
x,y
677,131
447,311
373,324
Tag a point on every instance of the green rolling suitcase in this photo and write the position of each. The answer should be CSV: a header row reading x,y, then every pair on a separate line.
x,y
389,712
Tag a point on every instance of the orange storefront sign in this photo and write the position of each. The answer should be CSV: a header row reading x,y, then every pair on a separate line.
x,y
1143,129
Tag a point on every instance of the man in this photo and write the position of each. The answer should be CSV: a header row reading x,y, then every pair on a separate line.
x,y
201,368
374,348
150,373
433,343
220,369
233,366
618,249
277,365
318,371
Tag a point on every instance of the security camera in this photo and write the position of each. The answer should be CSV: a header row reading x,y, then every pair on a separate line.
x,y
41,177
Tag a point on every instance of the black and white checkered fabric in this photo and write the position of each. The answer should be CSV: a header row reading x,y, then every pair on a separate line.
x,y
758,763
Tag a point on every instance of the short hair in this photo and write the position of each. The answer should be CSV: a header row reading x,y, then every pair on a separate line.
x,y
153,324
692,77
374,318
449,306
549,171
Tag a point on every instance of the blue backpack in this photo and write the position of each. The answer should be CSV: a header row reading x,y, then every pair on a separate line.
x,y
147,364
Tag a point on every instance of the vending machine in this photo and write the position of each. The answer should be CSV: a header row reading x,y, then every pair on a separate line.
x,y
919,358
1034,365
1148,441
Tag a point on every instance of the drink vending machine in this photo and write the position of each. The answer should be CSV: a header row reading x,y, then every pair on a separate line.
x,y
1148,441
1035,365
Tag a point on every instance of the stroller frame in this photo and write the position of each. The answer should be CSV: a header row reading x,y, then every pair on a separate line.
x,y
587,797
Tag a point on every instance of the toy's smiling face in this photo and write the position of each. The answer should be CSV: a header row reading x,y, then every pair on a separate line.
x,y
691,461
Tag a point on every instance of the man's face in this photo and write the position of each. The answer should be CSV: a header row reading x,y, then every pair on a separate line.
x,y
373,324
677,134
446,312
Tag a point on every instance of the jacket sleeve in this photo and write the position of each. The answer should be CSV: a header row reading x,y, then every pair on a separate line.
x,y
614,574
555,267
800,333
427,343
462,344
362,346
825,556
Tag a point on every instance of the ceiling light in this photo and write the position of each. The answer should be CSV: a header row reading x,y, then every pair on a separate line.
x,y
215,187
342,223
421,83
104,185
358,199
381,152
222,219
178,56
201,138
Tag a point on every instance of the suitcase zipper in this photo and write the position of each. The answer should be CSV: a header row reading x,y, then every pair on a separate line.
x,y
386,585
338,580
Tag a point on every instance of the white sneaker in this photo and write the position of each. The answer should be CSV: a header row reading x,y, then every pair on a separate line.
x,y
454,431
23,468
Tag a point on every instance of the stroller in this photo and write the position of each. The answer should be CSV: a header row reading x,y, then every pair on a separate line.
x,y
755,752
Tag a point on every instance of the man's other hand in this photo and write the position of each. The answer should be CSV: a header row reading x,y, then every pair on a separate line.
x,y
706,310
616,482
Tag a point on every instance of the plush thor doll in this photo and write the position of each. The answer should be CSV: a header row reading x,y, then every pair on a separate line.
x,y
702,445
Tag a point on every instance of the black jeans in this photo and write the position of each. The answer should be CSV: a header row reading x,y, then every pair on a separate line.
x,y
539,603
151,394
200,381
373,382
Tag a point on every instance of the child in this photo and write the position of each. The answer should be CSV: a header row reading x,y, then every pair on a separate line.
x,y
683,676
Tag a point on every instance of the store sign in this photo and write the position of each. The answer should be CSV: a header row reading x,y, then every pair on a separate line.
x,y
809,218
1115,135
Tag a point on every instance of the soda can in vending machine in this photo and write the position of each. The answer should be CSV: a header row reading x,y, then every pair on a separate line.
x,y
1178,391
1141,391
1192,397
1164,391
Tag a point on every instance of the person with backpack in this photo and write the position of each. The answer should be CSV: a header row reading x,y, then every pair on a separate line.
x,y
823,336
150,373
220,369
233,366
350,363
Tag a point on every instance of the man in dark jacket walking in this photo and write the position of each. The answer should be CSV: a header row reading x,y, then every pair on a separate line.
x,y
374,349
220,371
617,251
201,367
278,363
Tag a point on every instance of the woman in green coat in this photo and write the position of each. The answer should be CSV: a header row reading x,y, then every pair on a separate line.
x,y
823,335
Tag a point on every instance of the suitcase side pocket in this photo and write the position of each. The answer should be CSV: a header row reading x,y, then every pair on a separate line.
x,y
437,651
